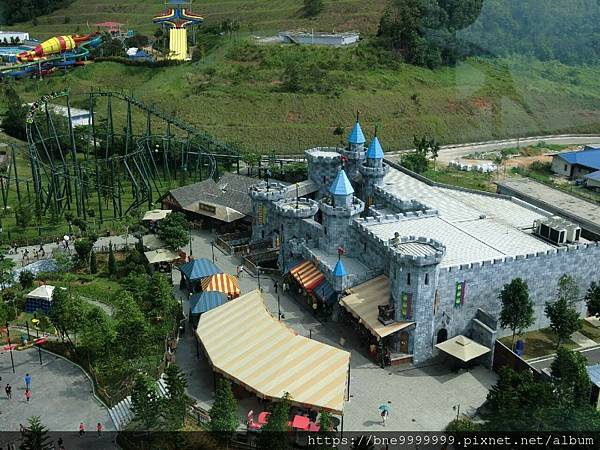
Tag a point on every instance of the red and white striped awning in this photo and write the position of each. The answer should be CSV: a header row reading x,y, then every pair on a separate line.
x,y
222,282
307,275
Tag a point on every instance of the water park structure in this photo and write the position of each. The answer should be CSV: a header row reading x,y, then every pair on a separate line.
x,y
122,160
59,52
177,17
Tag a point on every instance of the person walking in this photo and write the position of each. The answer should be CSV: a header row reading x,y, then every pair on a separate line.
x,y
384,411
27,381
99,429
27,395
8,390
60,443
81,429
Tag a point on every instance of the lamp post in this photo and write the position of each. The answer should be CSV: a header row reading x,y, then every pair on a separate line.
x,y
457,409
258,276
191,249
12,361
37,336
212,246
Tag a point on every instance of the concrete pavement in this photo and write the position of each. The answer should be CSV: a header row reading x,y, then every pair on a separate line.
x,y
61,394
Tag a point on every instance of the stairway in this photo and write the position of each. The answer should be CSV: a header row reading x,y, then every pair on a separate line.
x,y
121,413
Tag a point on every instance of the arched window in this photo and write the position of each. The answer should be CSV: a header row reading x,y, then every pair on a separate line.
x,y
426,279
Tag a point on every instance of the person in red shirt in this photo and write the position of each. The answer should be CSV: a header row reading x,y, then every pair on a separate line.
x,y
81,429
99,429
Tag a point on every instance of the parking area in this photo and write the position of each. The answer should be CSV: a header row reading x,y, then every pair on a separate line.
x,y
419,398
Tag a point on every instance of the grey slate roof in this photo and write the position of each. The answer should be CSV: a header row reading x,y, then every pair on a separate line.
x,y
231,190
594,373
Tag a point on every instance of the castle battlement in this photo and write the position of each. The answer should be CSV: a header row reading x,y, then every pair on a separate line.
x,y
368,171
273,192
302,208
323,154
401,204
419,251
355,209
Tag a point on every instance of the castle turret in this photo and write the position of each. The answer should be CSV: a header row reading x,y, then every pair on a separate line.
x,y
355,152
323,166
295,226
338,211
340,274
373,171
413,270
263,196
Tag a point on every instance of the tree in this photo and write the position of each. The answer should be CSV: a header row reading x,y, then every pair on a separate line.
x,y
160,305
564,318
83,248
6,271
131,326
517,307
518,401
97,332
571,379
463,425
26,279
313,8
592,298
112,261
66,314
291,79
23,215
174,231
93,263
223,414
274,434
36,436
145,402
176,402
13,122
324,431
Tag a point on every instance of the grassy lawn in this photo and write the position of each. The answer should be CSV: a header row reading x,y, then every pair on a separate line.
x,y
96,287
538,343
455,177
590,331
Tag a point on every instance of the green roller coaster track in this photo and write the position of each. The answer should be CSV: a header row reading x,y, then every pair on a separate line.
x,y
73,169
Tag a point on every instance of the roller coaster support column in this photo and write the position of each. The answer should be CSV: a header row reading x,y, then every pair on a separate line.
x,y
78,201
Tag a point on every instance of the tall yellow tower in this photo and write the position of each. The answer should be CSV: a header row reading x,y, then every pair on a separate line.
x,y
177,17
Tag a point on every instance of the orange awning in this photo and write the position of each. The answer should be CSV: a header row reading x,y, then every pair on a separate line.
x,y
222,282
307,275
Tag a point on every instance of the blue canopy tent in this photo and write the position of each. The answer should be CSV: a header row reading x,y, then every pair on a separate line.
x,y
195,270
205,301
325,293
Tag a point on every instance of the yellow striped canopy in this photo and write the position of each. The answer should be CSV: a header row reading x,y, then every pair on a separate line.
x,y
307,275
222,282
269,359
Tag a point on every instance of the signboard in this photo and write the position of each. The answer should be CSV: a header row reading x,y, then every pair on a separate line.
x,y
459,295
407,307
208,208
261,215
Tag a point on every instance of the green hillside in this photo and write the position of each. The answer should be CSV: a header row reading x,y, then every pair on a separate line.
x,y
238,93
255,15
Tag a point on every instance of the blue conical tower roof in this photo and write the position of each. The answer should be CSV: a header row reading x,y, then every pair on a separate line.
x,y
341,185
339,269
356,135
375,151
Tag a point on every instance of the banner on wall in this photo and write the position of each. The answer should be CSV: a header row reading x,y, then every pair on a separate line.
x,y
459,296
407,306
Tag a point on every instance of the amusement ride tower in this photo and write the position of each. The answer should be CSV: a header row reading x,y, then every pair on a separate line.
x,y
177,17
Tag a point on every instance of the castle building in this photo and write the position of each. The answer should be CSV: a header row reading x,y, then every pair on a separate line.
x,y
414,262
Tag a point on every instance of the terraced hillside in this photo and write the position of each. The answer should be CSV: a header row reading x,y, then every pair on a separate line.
x,y
255,15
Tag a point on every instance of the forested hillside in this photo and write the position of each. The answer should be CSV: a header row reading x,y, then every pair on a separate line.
x,y
566,30
15,11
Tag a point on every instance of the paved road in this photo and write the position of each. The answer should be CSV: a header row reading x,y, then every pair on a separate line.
x,y
451,152
591,354
61,394
421,399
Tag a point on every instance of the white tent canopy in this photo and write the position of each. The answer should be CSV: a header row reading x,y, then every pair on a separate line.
x,y
43,292
269,359
156,214
463,348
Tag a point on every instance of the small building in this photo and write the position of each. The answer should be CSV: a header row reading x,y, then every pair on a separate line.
x,y
577,164
12,37
79,117
40,298
225,204
592,180
594,374
312,38
153,218
161,260
152,242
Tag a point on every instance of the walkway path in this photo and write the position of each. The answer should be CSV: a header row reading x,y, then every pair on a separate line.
x,y
61,394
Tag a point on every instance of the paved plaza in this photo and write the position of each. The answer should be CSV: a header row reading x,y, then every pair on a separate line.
x,y
61,394
419,398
